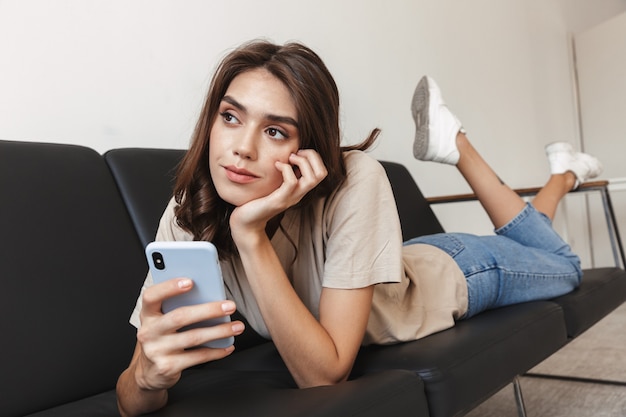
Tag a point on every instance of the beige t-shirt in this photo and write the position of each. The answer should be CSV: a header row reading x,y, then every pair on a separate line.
x,y
352,239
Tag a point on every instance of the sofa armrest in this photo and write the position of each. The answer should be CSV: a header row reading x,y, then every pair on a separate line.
x,y
523,192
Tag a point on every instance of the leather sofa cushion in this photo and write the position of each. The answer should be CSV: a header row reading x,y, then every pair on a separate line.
x,y
601,291
203,392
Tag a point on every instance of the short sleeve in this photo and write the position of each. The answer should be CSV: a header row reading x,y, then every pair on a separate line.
x,y
362,228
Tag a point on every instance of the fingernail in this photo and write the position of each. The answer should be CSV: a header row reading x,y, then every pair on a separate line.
x,y
184,283
238,327
228,307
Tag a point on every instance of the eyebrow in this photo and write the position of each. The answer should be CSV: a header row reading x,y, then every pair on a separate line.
x,y
275,118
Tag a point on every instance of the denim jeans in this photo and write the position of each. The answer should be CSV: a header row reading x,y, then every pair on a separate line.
x,y
526,260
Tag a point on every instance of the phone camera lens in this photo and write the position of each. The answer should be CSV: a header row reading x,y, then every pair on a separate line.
x,y
158,260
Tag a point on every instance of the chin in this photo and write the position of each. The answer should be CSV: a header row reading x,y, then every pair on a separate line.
x,y
238,196
235,199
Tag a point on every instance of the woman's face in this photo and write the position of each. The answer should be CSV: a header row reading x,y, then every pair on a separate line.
x,y
256,125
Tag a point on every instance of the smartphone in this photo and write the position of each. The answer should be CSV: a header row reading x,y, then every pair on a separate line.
x,y
199,262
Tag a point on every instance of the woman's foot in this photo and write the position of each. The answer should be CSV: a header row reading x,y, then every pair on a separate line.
x,y
435,126
564,158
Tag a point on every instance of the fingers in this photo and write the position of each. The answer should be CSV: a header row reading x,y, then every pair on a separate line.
x,y
311,158
174,347
153,296
188,315
199,336
158,323
310,164
309,171
160,333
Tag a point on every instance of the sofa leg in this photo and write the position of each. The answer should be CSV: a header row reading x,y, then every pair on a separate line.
x,y
519,399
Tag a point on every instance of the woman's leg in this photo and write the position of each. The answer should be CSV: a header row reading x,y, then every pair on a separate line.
x,y
500,202
548,198
501,271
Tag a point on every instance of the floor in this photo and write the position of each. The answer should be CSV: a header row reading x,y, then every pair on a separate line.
x,y
598,354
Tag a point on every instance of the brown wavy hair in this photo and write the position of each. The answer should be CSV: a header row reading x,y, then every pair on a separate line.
x,y
200,210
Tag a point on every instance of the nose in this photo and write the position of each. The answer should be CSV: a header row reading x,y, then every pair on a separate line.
x,y
245,145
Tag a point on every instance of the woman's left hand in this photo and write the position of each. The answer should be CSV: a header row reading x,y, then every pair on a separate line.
x,y
304,172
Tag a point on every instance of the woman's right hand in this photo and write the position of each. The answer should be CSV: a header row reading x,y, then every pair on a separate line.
x,y
162,352
165,352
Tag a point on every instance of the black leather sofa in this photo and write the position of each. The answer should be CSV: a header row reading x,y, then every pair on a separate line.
x,y
73,226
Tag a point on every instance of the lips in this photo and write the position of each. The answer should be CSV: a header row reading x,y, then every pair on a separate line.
x,y
239,175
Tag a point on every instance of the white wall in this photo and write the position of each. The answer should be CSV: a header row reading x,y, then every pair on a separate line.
x,y
133,73
601,63
122,73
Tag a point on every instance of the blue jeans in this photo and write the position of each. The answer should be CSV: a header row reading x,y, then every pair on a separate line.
x,y
526,260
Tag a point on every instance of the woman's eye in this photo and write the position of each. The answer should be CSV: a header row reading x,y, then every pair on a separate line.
x,y
276,134
229,118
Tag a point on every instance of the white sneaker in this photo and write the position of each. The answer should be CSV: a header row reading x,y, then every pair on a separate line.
x,y
435,126
563,158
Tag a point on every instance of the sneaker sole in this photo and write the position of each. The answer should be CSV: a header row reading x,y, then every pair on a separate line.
x,y
419,109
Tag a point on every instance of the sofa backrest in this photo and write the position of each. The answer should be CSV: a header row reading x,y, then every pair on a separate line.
x,y
71,267
416,216
145,178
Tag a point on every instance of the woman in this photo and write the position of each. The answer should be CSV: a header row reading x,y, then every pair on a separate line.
x,y
306,229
